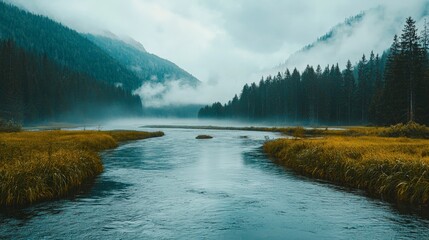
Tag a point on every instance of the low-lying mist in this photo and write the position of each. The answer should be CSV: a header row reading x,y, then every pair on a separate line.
x,y
174,94
148,122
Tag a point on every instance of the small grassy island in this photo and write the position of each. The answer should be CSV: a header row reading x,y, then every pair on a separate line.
x,y
44,165
204,137
389,163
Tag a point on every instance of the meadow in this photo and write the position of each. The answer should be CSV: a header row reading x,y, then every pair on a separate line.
x,y
390,163
44,165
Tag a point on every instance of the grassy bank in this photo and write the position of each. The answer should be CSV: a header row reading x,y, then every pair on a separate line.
x,y
37,166
394,169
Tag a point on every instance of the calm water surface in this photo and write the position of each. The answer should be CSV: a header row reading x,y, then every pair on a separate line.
x,y
177,187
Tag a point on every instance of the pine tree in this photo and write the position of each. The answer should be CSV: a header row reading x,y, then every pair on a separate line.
x,y
363,86
295,90
285,101
393,94
349,91
411,53
375,111
425,35
326,97
319,97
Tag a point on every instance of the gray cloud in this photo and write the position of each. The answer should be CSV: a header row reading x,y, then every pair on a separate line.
x,y
227,43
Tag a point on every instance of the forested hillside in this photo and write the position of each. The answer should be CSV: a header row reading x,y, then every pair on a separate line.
x,y
34,88
344,28
63,45
145,65
379,90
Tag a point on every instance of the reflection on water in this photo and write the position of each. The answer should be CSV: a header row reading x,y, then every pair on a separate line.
x,y
180,187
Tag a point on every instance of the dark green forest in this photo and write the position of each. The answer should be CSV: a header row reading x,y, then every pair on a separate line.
x,y
34,88
63,45
384,90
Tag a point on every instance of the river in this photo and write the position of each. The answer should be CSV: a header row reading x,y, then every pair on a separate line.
x,y
178,187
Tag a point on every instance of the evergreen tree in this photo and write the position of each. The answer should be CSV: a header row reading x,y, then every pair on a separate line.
x,y
375,108
295,94
335,90
425,36
412,57
349,91
325,95
319,91
393,99
285,100
362,93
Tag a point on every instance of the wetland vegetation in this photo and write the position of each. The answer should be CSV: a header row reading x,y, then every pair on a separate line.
x,y
389,163
44,165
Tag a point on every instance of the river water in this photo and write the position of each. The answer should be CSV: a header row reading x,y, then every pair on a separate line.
x,y
178,187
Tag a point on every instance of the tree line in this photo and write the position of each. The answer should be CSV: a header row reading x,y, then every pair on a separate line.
x,y
34,88
382,90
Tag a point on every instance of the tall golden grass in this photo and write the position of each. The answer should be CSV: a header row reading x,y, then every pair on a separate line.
x,y
394,169
37,166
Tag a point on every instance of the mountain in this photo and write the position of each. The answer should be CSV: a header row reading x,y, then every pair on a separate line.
x,y
344,28
146,66
136,44
330,45
371,30
91,62
65,46
109,59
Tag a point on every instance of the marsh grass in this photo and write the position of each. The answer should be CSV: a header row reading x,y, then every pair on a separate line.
x,y
9,126
411,130
394,169
37,166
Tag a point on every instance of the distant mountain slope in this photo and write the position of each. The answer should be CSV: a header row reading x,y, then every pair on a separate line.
x,y
145,65
345,28
362,33
65,46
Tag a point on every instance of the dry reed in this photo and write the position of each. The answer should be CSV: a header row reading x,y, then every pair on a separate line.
x,y
394,169
37,166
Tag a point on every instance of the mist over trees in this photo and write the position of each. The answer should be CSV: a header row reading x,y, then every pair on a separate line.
x,y
34,88
381,90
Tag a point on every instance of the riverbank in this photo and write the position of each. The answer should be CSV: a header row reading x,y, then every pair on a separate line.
x,y
44,165
317,131
393,169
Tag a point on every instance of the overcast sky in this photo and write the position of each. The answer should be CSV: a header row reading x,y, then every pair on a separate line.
x,y
221,42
